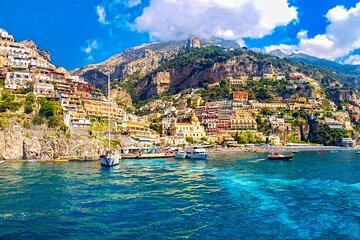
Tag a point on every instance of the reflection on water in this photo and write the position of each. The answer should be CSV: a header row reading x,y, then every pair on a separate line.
x,y
235,195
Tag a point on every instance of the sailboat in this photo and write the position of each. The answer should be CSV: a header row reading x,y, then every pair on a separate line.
x,y
109,158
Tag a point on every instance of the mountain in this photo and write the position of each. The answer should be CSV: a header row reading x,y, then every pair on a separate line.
x,y
343,68
157,69
140,60
278,53
32,45
200,67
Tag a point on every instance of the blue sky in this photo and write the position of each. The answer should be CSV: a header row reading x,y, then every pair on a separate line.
x,y
80,32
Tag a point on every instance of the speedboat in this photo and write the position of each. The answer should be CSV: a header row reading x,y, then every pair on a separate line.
x,y
196,153
279,156
180,154
358,152
109,159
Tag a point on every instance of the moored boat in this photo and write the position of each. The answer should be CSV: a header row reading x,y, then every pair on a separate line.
x,y
180,154
279,156
109,159
196,153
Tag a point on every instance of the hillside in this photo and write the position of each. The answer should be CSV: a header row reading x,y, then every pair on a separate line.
x,y
200,67
142,60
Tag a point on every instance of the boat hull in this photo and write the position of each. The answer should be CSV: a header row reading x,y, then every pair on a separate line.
x,y
196,156
180,155
278,158
109,161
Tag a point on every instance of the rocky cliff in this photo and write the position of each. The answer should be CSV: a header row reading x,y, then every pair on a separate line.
x,y
32,45
142,59
205,70
21,143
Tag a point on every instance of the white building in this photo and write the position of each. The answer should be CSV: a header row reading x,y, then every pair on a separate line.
x,y
17,80
333,124
43,85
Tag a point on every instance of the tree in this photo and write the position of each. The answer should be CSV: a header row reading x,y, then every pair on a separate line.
x,y
266,111
49,108
190,140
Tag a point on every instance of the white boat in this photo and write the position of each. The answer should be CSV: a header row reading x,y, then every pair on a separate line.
x,y
109,158
180,154
196,153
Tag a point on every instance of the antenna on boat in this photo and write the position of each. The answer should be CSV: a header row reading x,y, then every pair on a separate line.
x,y
109,109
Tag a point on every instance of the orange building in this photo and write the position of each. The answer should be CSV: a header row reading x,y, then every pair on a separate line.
x,y
240,96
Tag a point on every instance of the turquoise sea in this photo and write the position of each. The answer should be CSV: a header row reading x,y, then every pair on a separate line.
x,y
230,196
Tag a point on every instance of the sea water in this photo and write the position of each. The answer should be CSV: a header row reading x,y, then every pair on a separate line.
x,y
230,196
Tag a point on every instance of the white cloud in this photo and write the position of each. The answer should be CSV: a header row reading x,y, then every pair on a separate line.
x,y
229,19
353,59
91,45
288,49
100,11
133,3
342,35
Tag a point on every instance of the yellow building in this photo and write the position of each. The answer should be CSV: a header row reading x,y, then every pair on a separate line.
x,y
134,127
301,99
95,108
193,129
196,101
243,120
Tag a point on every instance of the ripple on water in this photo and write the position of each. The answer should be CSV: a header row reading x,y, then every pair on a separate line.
x,y
249,198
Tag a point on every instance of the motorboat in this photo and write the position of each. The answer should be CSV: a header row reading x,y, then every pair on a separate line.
x,y
180,154
279,156
196,153
109,159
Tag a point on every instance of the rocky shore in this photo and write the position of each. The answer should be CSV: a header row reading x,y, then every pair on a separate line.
x,y
20,143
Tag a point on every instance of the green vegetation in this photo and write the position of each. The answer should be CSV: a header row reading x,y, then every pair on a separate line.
x,y
190,140
3,123
29,103
323,134
49,108
247,137
156,127
8,103
51,111
199,58
223,91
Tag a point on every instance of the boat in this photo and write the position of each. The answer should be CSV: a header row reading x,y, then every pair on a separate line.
x,y
109,158
334,151
358,152
321,153
196,153
279,156
180,154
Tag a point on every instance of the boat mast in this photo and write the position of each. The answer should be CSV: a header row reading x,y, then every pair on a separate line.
x,y
109,109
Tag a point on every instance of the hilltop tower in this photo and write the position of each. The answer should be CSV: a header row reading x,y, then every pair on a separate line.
x,y
193,42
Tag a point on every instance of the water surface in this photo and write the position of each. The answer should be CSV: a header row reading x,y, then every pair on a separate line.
x,y
231,196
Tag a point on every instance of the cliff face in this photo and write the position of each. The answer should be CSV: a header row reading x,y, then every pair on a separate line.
x,y
190,77
32,45
142,59
19,143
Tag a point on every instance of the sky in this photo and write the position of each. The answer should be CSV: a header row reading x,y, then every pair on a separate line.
x,y
82,32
